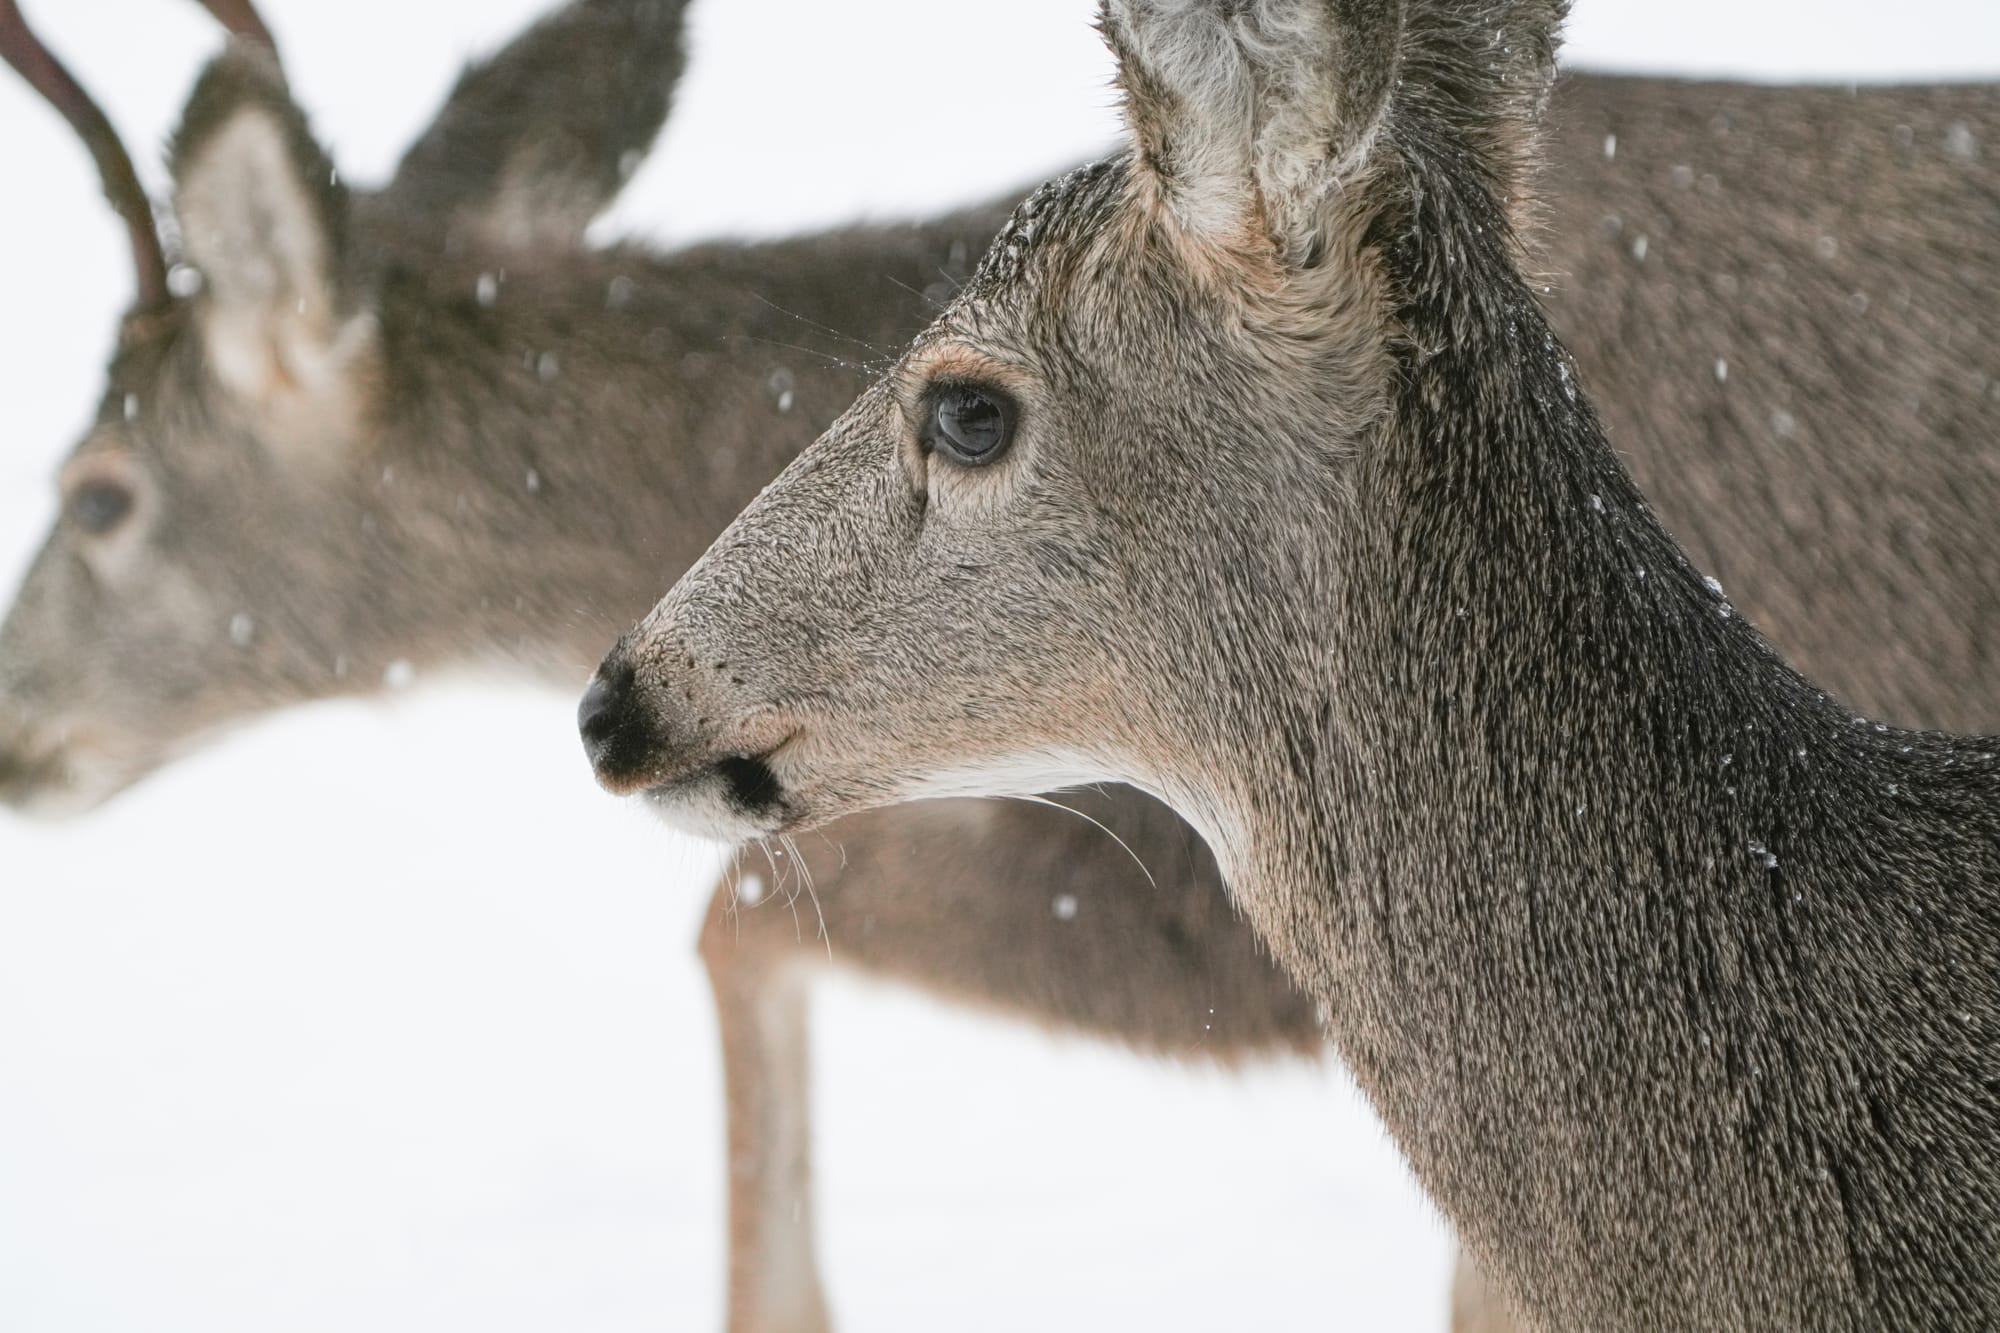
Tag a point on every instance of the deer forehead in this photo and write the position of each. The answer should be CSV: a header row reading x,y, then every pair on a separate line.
x,y
1065,209
1095,265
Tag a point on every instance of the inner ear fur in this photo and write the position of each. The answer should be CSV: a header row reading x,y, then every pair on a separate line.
x,y
262,218
1247,114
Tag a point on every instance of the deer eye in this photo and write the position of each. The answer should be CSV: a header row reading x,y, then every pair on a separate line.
x,y
100,506
971,427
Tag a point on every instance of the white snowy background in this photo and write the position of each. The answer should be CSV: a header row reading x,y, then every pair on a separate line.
x,y
383,1017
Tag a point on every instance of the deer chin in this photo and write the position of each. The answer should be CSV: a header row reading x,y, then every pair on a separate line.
x,y
1028,774
733,800
797,786
67,781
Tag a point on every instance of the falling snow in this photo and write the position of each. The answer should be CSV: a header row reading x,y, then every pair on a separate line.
x,y
513,951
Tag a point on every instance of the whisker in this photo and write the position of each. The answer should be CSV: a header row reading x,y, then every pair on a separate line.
x,y
732,874
923,296
778,887
831,333
1058,805
806,878
840,847
860,367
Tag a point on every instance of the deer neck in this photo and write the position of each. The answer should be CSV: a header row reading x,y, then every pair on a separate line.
x,y
1613,915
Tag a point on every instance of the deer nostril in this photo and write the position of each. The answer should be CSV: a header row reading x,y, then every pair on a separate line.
x,y
623,735
617,735
597,713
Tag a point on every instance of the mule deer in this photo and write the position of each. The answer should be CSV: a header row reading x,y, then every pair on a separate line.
x,y
1248,468
443,478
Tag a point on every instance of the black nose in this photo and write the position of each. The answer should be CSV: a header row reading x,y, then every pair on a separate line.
x,y
616,735
597,715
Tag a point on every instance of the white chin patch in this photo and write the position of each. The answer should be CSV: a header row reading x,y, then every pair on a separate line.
x,y
1012,775
703,809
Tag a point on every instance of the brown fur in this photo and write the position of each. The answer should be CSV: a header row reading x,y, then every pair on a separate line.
x,y
1676,980
438,481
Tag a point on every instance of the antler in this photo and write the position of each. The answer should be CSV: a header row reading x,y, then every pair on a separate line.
x,y
25,52
240,17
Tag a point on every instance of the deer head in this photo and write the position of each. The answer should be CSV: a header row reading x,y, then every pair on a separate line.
x,y
229,540
1106,490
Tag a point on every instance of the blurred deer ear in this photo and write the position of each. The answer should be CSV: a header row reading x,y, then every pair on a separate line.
x,y
1251,113
262,219
539,138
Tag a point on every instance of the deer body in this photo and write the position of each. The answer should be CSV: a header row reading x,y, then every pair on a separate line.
x,y
1626,838
1250,469
550,432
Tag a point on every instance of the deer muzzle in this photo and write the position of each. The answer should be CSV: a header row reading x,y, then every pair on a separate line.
x,y
52,781
676,739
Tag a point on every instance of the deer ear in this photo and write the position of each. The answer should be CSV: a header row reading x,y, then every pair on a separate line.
x,y
1250,113
538,139
262,218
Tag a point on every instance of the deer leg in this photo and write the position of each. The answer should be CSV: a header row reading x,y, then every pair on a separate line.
x,y
1020,909
760,1006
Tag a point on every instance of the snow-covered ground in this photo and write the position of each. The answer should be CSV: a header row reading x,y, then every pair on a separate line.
x,y
318,1032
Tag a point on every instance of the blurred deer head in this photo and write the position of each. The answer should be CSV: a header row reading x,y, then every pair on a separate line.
x,y
228,540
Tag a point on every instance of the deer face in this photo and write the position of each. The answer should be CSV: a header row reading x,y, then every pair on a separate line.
x,y
259,516
183,583
1084,525
952,522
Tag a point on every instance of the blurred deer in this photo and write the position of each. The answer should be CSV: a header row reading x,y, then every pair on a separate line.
x,y
1249,469
550,409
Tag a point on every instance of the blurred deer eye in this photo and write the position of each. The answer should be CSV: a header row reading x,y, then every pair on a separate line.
x,y
100,506
969,426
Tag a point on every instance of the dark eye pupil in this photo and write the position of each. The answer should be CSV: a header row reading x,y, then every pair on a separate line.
x,y
100,506
971,427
